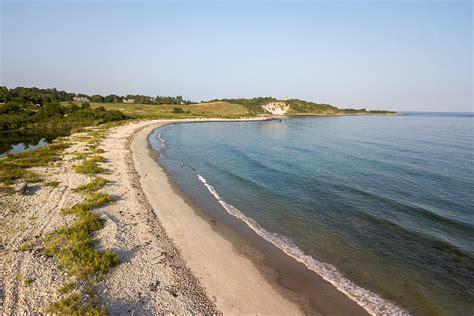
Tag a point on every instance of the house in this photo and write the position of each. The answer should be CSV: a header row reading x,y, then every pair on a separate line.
x,y
128,100
80,99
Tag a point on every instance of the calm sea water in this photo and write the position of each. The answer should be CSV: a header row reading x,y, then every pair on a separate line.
x,y
381,206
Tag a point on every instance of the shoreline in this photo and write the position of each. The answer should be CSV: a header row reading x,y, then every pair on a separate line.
x,y
175,255
232,280
288,279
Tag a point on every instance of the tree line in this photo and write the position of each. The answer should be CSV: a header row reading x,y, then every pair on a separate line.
x,y
42,96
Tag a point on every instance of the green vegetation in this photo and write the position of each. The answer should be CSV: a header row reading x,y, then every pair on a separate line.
x,y
180,110
51,184
33,107
26,246
68,287
133,99
97,199
297,107
98,151
166,111
16,166
74,304
73,245
253,106
25,280
300,106
90,166
97,183
23,108
28,281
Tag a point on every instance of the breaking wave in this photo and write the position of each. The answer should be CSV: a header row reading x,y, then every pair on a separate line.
x,y
371,302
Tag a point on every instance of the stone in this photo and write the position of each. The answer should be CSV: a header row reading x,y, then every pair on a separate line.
x,y
20,187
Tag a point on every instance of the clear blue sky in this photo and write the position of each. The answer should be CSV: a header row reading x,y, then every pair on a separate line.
x,y
398,55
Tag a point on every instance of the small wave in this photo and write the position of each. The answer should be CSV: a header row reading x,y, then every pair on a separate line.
x,y
162,140
371,302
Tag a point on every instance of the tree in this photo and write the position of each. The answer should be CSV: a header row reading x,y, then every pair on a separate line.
x,y
97,98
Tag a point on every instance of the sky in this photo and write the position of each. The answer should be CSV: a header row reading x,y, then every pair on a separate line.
x,y
394,55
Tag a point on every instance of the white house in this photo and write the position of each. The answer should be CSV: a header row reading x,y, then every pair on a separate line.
x,y
80,99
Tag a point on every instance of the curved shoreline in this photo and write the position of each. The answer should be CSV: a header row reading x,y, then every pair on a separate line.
x,y
236,285
260,286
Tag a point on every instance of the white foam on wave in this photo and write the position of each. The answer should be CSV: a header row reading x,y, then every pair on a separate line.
x,y
161,139
371,302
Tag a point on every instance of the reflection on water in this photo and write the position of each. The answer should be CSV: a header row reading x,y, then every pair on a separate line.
x,y
16,142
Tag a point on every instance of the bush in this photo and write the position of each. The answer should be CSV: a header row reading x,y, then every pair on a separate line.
x,y
97,183
89,166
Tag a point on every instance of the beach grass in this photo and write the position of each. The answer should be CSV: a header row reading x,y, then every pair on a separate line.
x,y
97,183
162,111
90,166
73,244
51,184
74,305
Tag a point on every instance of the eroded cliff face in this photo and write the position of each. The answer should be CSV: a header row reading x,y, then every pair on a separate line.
x,y
276,108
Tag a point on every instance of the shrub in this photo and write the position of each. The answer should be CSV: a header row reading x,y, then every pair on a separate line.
x,y
97,183
89,166
74,305
51,184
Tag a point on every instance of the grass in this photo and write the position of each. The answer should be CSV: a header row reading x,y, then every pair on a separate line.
x,y
152,111
73,245
98,151
97,183
10,173
26,246
51,184
25,280
28,281
80,156
97,158
74,304
68,287
15,166
90,166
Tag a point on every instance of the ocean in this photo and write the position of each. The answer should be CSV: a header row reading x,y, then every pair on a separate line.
x,y
380,206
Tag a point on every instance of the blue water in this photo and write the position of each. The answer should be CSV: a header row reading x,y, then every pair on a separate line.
x,y
381,206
